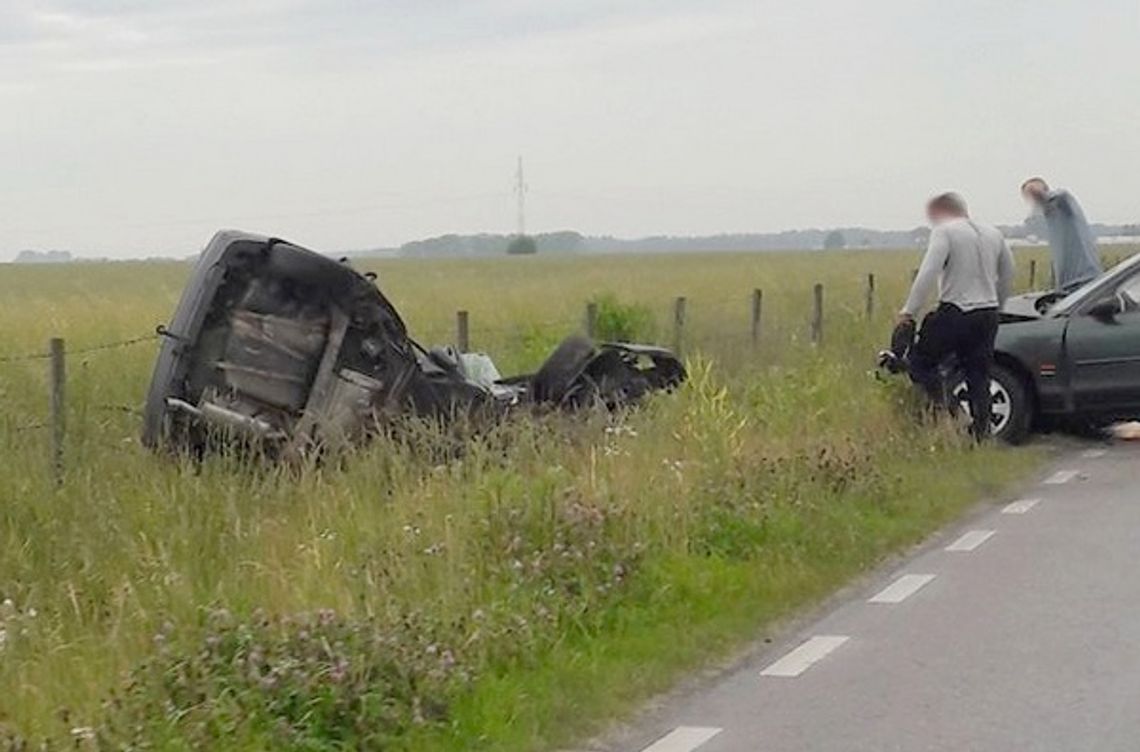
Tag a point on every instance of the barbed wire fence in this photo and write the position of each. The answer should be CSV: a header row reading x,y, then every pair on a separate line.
x,y
56,356
750,309
113,345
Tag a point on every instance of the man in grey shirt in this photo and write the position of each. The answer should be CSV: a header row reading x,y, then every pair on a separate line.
x,y
1071,241
972,267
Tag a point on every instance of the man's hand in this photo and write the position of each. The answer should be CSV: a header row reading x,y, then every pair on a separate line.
x,y
903,317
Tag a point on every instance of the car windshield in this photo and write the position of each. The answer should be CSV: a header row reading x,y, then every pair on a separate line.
x,y
1066,304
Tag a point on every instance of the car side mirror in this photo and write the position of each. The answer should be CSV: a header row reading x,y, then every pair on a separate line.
x,y
1105,310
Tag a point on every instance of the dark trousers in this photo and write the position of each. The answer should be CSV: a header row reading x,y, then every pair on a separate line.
x,y
969,336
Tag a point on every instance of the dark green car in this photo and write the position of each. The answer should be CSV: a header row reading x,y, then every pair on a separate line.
x,y
1074,359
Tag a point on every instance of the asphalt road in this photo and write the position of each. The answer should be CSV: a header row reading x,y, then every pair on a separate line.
x,y
1017,630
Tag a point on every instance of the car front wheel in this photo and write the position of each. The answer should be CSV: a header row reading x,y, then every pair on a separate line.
x,y
1011,414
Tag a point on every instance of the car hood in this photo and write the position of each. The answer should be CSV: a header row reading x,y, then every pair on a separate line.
x,y
1025,307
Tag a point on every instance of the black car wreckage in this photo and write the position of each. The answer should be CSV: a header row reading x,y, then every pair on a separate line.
x,y
295,352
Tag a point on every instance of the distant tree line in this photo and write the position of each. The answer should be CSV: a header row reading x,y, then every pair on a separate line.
x,y
43,257
494,245
569,242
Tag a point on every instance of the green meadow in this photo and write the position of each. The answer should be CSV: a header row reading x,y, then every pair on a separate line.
x,y
518,596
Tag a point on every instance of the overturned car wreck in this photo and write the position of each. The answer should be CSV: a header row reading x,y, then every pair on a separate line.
x,y
288,349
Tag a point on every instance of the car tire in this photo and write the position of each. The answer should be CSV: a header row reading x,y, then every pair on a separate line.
x,y
1013,405
1016,429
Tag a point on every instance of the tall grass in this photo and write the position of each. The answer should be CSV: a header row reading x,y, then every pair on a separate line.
x,y
511,598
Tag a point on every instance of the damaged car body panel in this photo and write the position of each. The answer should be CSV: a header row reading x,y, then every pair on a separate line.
x,y
280,345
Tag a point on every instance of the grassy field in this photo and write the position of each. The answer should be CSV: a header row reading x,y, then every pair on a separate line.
x,y
513,599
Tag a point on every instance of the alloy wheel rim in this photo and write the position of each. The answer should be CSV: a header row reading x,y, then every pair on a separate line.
x,y
1001,409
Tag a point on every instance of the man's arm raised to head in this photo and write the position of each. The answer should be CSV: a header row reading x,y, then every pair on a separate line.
x,y
932,263
1060,200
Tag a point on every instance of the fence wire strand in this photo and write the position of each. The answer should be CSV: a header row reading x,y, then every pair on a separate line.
x,y
114,345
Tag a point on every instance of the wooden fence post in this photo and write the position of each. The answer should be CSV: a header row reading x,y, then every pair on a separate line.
x,y
58,417
757,309
870,295
592,320
1032,274
678,325
817,314
462,331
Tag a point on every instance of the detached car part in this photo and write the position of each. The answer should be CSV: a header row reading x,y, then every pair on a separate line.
x,y
278,345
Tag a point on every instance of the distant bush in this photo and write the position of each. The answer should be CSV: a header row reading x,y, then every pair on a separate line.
x,y
623,322
522,245
834,241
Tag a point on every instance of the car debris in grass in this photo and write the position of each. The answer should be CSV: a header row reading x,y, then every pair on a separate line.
x,y
296,352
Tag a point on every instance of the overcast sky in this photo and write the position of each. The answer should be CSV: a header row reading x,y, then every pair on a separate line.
x,y
132,127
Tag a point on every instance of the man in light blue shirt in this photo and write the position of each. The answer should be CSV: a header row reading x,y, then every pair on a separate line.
x,y
1071,240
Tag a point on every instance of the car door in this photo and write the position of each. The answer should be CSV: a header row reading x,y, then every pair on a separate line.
x,y
1103,351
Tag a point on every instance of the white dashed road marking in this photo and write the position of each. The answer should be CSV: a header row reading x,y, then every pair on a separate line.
x,y
683,739
803,657
1020,506
1061,477
1094,454
902,588
970,540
